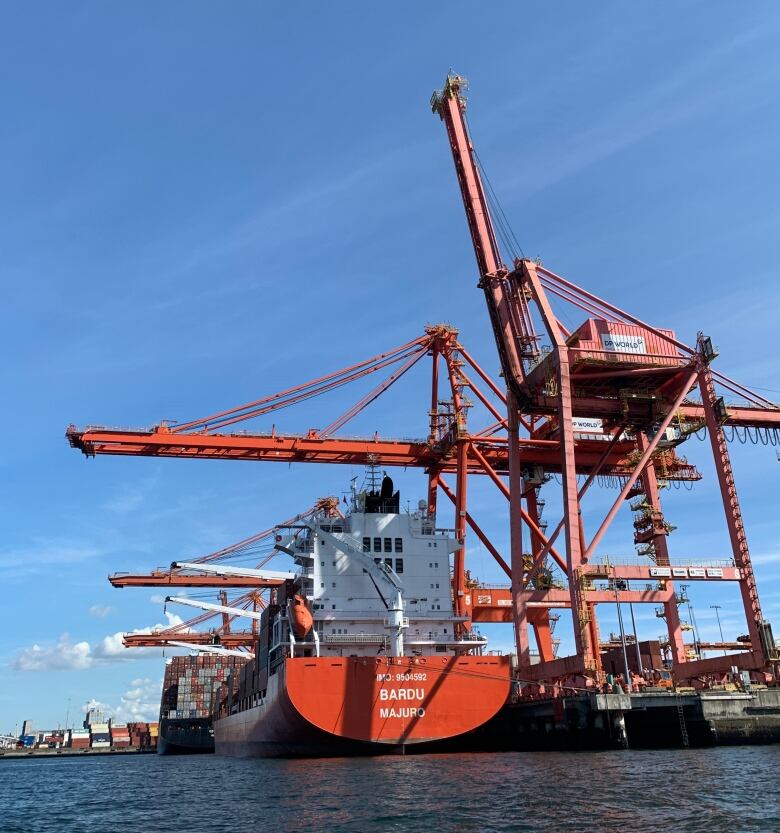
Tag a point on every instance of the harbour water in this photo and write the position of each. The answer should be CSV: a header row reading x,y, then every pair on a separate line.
x,y
733,790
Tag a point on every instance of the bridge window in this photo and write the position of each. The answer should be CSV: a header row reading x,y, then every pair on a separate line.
x,y
388,544
399,565
399,544
377,545
366,545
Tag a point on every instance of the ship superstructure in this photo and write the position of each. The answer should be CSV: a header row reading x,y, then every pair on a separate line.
x,y
377,581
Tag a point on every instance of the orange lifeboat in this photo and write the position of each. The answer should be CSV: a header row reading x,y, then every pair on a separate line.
x,y
300,616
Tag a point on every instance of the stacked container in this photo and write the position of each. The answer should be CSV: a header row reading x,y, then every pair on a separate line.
x,y
191,683
99,736
120,734
142,735
78,739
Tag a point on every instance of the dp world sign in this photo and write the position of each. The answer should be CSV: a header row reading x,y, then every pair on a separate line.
x,y
620,343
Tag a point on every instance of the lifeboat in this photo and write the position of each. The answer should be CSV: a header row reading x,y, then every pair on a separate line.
x,y
300,617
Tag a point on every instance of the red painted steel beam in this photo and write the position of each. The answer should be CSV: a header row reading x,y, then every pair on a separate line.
x,y
477,529
638,572
743,416
166,578
561,597
237,639
161,442
747,660
485,464
491,604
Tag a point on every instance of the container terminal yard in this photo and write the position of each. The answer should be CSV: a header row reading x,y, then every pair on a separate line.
x,y
608,404
98,735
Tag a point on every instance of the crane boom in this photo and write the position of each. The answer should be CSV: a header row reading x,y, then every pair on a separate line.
x,y
171,578
271,578
211,649
512,325
233,611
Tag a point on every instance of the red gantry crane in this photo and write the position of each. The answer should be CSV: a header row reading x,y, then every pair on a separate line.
x,y
633,378
635,382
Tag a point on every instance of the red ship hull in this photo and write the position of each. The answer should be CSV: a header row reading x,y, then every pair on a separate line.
x,y
361,705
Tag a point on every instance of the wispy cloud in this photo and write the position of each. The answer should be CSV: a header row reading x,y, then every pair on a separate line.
x,y
100,611
683,96
131,496
46,552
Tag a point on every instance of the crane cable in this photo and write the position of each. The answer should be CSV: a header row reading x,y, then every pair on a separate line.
x,y
503,227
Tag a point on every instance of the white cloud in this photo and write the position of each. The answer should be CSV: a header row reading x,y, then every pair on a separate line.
x,y
66,655
157,599
140,703
101,611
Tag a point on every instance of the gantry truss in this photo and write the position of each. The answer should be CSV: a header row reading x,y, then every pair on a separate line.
x,y
645,396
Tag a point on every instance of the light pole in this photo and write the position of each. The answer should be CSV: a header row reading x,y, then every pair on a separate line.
x,y
636,641
696,637
622,637
717,608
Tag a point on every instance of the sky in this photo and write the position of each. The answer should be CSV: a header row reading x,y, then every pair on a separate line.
x,y
206,203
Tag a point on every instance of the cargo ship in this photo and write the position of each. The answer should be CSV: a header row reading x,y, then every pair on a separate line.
x,y
186,706
362,651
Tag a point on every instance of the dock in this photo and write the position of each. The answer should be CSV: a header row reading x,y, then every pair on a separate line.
x,y
651,719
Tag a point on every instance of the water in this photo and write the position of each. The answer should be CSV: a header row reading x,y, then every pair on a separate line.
x,y
732,790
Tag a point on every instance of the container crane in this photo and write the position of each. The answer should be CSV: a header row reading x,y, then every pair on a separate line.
x,y
586,374
637,394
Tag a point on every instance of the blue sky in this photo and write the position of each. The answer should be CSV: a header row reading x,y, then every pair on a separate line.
x,y
203,204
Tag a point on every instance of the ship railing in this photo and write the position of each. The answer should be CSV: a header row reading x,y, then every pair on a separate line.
x,y
354,639
634,559
347,615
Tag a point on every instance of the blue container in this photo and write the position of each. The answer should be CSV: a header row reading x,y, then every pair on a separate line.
x,y
28,741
